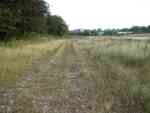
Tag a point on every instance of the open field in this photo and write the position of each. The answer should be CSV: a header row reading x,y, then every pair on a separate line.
x,y
92,75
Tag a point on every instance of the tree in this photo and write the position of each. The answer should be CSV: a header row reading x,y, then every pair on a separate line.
x,y
8,18
56,25
20,16
32,15
138,29
148,28
110,32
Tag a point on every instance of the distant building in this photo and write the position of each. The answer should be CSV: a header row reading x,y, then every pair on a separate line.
x,y
124,32
78,31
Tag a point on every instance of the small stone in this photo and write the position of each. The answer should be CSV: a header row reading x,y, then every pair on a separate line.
x,y
11,102
2,106
83,106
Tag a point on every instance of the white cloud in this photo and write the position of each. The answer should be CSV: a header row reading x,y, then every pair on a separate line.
x,y
102,13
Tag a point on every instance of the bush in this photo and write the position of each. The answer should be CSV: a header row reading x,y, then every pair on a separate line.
x,y
56,25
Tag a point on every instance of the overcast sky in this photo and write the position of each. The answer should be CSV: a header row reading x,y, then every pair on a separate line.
x,y
102,13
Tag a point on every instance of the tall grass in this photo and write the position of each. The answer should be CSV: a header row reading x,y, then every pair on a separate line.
x,y
115,73
16,56
127,64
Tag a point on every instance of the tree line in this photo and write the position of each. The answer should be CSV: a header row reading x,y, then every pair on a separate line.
x,y
109,32
18,17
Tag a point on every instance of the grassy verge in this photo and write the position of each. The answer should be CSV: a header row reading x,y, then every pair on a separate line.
x,y
16,56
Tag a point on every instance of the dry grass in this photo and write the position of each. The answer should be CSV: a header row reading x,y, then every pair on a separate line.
x,y
84,76
121,74
19,55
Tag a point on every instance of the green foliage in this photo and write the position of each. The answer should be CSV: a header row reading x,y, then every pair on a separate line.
x,y
110,32
32,15
137,29
19,17
87,32
56,25
7,22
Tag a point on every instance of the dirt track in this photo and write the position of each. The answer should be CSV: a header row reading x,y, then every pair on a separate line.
x,y
62,84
